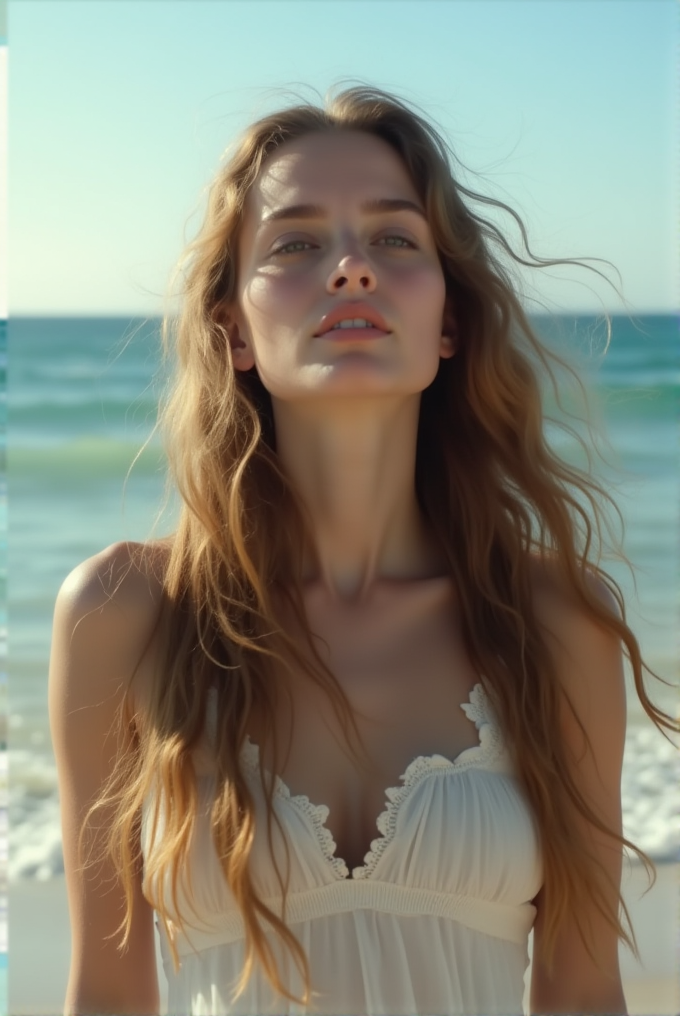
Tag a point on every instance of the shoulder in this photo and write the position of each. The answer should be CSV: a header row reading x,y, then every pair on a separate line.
x,y
587,655
124,575
105,615
555,600
576,635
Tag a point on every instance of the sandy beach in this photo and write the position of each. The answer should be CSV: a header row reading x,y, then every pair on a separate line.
x,y
39,946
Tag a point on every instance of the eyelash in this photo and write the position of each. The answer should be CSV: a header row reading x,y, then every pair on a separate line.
x,y
403,246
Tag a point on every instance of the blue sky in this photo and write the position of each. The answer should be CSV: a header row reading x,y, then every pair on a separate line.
x,y
119,112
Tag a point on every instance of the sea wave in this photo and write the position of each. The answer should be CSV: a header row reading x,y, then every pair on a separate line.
x,y
93,457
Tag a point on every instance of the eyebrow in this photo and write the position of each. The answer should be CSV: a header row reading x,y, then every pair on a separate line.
x,y
376,206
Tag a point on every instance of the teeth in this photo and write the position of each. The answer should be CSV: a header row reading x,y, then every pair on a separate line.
x,y
353,323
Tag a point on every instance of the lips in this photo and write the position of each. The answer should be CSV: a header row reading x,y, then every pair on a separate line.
x,y
348,312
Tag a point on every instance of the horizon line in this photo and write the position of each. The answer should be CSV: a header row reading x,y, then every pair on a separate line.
x,y
139,315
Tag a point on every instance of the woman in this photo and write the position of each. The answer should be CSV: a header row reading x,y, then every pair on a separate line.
x,y
382,578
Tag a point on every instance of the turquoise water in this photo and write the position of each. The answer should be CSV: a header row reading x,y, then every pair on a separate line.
x,y
82,400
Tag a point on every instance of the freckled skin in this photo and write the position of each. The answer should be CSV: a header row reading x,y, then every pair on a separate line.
x,y
346,256
346,413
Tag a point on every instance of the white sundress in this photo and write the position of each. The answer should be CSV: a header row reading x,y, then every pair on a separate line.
x,y
435,921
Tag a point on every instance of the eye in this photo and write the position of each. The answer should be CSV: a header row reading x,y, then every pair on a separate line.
x,y
292,247
400,242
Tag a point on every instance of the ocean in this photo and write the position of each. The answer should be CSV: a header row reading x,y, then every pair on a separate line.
x,y
81,401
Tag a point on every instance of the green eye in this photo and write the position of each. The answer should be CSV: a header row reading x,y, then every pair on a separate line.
x,y
294,247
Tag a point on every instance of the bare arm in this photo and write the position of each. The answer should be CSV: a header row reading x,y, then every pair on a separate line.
x,y
98,636
589,663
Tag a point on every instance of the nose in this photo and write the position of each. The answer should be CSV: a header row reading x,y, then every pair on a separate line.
x,y
353,273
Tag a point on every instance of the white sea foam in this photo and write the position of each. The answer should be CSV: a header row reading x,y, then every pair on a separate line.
x,y
650,793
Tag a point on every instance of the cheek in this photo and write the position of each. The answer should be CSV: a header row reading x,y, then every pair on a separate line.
x,y
423,278
424,292
271,312
274,295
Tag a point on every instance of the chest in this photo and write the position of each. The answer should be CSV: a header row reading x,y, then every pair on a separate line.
x,y
402,665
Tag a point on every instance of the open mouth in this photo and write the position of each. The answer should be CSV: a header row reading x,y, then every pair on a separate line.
x,y
354,328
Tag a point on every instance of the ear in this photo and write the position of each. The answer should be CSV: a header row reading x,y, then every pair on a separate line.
x,y
241,350
449,341
447,347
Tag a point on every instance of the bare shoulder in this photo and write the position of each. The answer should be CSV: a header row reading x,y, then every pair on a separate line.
x,y
587,653
123,578
573,631
106,610
557,603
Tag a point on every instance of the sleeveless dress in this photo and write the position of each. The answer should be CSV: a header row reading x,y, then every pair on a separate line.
x,y
435,921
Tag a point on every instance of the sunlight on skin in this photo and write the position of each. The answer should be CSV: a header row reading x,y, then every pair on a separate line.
x,y
346,407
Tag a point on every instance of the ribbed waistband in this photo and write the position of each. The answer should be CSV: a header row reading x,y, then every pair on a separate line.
x,y
501,920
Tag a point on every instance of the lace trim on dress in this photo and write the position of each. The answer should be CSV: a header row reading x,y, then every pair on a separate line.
x,y
479,710
316,813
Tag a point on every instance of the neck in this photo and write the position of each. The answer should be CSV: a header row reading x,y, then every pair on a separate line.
x,y
353,465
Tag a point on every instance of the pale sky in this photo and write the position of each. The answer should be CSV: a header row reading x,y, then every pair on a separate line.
x,y
119,111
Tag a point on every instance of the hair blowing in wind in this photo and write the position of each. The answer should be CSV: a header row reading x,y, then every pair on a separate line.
x,y
496,496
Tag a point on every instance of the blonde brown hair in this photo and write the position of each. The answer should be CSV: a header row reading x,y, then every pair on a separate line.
x,y
494,493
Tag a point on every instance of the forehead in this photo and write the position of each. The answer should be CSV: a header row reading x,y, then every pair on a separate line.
x,y
325,168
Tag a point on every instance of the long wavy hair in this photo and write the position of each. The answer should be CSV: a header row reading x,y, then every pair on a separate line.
x,y
493,491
